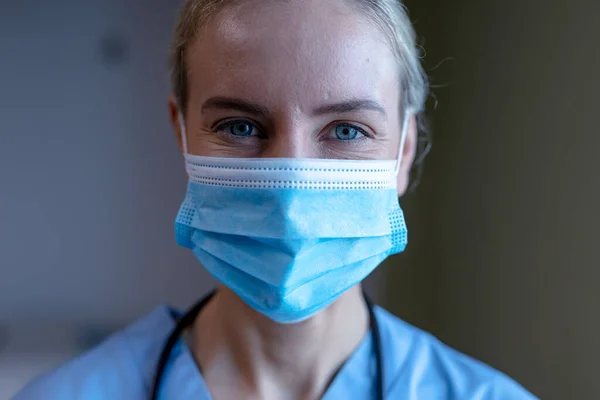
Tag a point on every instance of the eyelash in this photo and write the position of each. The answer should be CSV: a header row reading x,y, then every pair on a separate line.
x,y
222,127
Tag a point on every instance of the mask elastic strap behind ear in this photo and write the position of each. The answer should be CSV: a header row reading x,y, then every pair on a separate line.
x,y
183,133
408,113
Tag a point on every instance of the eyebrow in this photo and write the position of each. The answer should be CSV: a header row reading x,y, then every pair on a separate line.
x,y
349,106
228,103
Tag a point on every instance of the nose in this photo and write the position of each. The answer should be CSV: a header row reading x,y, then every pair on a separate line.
x,y
289,144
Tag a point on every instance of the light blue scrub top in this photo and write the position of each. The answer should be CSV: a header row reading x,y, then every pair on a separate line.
x,y
417,366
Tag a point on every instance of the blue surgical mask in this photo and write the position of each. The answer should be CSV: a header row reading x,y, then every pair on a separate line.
x,y
289,236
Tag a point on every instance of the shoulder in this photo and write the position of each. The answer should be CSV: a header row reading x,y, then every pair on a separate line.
x,y
120,367
424,367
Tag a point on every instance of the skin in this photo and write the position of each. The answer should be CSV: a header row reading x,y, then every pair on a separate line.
x,y
313,71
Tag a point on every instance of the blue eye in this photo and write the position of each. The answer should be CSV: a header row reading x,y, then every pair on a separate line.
x,y
347,132
238,128
241,128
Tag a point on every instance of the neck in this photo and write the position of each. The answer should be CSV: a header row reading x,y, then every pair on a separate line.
x,y
243,354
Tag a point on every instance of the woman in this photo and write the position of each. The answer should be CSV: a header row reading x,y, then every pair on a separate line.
x,y
297,121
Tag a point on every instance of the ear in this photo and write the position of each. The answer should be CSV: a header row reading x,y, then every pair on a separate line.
x,y
174,115
408,155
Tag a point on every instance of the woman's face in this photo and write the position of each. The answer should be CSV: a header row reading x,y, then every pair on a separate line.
x,y
296,79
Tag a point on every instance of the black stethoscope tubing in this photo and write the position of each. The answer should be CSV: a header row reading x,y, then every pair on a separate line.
x,y
189,317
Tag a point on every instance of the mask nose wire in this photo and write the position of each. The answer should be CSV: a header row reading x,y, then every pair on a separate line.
x,y
405,123
183,133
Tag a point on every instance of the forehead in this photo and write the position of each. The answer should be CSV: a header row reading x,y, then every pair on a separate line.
x,y
297,51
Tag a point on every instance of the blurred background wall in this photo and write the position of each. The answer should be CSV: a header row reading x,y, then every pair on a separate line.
x,y
502,261
504,264
91,178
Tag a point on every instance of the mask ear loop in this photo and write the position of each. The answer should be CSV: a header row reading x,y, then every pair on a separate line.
x,y
405,124
183,133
